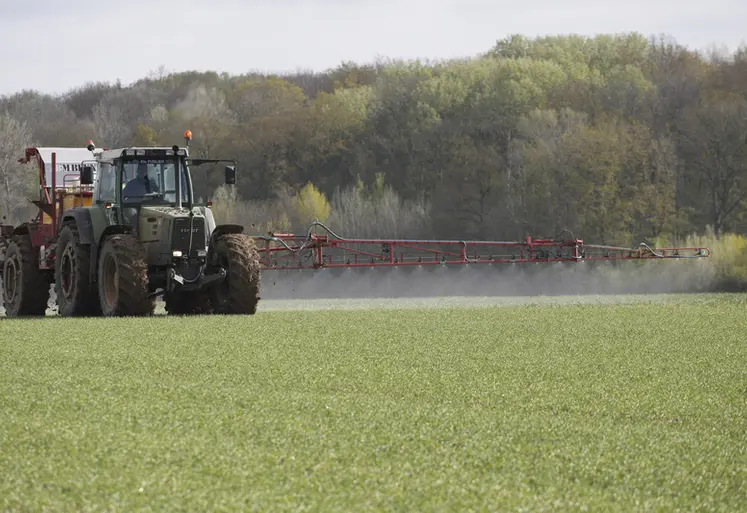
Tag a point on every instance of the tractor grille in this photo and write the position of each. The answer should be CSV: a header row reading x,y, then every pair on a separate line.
x,y
180,238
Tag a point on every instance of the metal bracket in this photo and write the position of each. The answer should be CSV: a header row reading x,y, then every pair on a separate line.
x,y
205,280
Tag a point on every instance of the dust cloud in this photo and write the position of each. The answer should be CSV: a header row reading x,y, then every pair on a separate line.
x,y
652,277
493,280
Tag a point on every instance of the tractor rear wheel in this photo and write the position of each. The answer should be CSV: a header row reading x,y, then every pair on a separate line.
x,y
75,295
123,278
188,303
239,292
25,286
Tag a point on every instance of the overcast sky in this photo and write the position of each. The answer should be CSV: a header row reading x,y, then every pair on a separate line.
x,y
55,45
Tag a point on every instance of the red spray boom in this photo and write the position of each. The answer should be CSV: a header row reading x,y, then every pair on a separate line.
x,y
288,251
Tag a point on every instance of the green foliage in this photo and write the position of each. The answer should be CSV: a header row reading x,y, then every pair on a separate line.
x,y
311,205
144,136
615,137
729,258
603,52
580,407
258,218
263,97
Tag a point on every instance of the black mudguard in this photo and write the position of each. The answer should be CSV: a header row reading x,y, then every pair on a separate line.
x,y
82,218
225,229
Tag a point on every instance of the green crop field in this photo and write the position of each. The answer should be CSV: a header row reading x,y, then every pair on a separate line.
x,y
535,406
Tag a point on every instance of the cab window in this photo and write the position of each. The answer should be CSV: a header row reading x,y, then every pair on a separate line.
x,y
107,182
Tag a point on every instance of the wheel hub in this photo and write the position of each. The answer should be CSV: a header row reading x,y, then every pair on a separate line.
x,y
222,290
110,284
67,271
12,279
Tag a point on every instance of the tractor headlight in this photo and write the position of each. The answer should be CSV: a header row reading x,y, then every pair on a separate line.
x,y
176,253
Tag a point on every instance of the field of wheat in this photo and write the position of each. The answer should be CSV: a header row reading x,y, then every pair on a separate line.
x,y
461,405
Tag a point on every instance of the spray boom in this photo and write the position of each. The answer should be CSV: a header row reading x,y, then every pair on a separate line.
x,y
311,251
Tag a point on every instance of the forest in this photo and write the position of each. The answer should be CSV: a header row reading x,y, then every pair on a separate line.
x,y
616,138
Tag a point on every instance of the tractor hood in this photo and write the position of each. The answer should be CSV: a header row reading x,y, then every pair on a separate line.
x,y
167,211
169,232
162,222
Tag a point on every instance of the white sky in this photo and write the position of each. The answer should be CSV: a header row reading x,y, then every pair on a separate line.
x,y
55,45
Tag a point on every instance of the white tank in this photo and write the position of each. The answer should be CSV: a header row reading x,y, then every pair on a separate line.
x,y
69,161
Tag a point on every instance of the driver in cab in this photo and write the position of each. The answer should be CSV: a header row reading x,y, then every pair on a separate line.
x,y
141,184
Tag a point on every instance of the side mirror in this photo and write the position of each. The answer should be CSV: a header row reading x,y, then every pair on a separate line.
x,y
86,175
230,175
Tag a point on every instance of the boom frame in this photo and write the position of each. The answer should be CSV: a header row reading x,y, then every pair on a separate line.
x,y
313,251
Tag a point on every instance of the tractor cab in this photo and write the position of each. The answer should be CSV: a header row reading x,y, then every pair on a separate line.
x,y
130,179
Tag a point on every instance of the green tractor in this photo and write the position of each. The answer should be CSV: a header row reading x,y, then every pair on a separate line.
x,y
141,235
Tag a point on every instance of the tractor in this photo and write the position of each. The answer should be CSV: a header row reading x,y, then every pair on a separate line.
x,y
126,230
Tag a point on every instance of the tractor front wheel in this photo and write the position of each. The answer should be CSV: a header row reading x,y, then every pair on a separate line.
x,y
25,286
239,292
75,296
123,278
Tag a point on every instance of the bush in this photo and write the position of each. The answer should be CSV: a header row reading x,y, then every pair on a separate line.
x,y
728,261
257,217
379,213
311,205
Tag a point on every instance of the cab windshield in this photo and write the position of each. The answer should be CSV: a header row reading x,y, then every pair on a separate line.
x,y
152,180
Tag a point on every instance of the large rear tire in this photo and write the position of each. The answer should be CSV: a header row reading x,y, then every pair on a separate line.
x,y
188,303
123,278
25,286
238,294
75,294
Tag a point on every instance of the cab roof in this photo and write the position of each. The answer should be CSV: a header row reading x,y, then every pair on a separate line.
x,y
154,151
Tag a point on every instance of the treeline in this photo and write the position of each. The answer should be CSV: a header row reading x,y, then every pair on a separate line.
x,y
617,138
